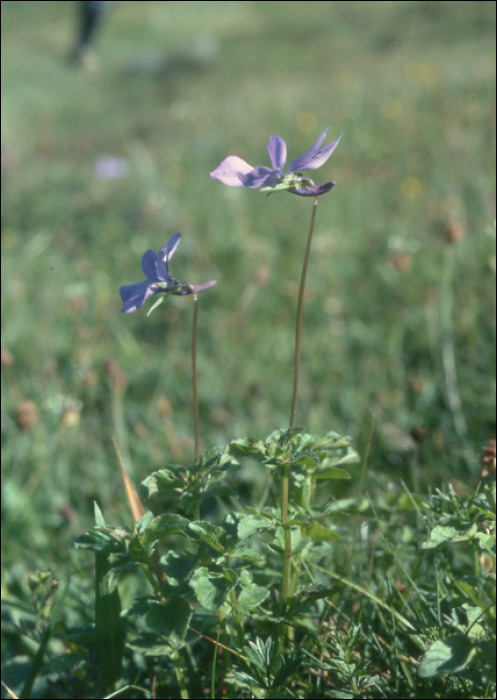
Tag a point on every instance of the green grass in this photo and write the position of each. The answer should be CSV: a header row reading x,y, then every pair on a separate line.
x,y
390,302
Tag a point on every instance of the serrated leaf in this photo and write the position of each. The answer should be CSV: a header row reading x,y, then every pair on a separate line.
x,y
336,506
331,473
171,620
208,458
247,554
100,539
250,446
486,542
277,435
148,645
309,463
484,511
250,597
342,456
177,567
250,524
307,597
212,589
169,524
163,482
327,442
450,655
319,532
263,654
209,533
449,535
145,522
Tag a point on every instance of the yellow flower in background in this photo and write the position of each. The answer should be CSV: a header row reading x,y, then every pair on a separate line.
x,y
411,187
391,108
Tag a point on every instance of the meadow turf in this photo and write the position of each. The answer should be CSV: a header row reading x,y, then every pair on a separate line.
x,y
399,319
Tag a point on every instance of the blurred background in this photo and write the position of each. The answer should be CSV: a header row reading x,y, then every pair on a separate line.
x,y
107,144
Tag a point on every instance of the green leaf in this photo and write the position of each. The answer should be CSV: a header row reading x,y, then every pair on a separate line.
x,y
486,542
249,446
441,535
331,473
327,442
171,620
209,533
342,456
99,518
108,539
170,524
144,523
450,655
109,627
309,463
212,589
150,644
263,654
156,303
38,661
209,458
163,482
282,435
247,554
251,596
319,532
250,524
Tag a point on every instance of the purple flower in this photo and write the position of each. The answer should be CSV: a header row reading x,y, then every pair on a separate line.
x,y
236,172
110,168
156,270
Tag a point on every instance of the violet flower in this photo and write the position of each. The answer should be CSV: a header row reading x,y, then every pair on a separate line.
x,y
236,172
110,168
156,270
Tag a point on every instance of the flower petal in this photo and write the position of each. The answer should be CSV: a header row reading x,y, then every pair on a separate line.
x,y
134,295
300,163
276,148
168,250
165,255
190,288
204,286
230,170
312,190
262,176
148,264
315,157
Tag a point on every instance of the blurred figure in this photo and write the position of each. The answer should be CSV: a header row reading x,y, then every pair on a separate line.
x,y
90,18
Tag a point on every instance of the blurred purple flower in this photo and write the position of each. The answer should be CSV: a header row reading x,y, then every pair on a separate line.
x,y
236,172
110,168
156,270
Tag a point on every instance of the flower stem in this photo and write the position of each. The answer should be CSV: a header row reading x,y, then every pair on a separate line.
x,y
179,675
194,370
287,554
286,632
298,327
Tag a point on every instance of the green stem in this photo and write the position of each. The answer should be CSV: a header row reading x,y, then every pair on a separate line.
x,y
195,390
179,675
286,632
447,337
285,476
151,579
194,369
300,305
287,557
